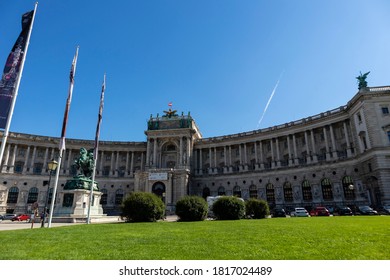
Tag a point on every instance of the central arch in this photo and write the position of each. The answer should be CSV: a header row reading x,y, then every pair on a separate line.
x,y
159,189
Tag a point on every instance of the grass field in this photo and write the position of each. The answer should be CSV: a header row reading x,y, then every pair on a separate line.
x,y
316,238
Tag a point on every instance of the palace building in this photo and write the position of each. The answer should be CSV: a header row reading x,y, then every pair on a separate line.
x,y
338,157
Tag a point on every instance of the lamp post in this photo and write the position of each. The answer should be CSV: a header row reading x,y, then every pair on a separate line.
x,y
351,187
52,166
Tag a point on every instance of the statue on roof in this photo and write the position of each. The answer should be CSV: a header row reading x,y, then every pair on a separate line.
x,y
362,80
170,113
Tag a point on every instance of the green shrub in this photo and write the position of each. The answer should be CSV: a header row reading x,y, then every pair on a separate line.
x,y
191,208
228,208
256,208
142,207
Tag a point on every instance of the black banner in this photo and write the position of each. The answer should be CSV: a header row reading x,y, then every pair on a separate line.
x,y
12,69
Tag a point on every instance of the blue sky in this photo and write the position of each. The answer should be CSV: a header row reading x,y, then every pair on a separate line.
x,y
219,60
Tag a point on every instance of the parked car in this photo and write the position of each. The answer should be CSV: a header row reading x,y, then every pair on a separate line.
x,y
384,210
330,209
299,212
320,211
278,212
21,217
9,216
344,211
366,210
1,218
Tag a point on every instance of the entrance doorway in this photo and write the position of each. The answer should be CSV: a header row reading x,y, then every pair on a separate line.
x,y
158,189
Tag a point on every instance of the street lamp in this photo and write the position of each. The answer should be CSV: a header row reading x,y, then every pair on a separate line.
x,y
52,166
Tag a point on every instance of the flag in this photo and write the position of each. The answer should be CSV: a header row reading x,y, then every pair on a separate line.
x,y
170,104
12,69
100,115
69,100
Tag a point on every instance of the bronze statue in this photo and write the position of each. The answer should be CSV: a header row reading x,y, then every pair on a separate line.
x,y
362,80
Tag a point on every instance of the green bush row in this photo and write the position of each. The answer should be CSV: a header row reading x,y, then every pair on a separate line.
x,y
148,207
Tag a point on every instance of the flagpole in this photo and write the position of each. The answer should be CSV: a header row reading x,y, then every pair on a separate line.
x,y
63,132
96,148
8,124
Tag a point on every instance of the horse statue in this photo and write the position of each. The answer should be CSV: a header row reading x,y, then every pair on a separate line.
x,y
85,163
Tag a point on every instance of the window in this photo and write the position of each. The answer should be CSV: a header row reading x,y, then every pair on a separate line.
x,y
288,192
359,117
21,152
118,197
221,191
326,186
32,195
106,171
103,199
205,192
38,168
385,110
270,193
252,191
108,158
388,135
306,191
18,167
237,191
13,194
348,188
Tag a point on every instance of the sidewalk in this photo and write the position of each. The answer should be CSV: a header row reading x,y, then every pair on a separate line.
x,y
8,225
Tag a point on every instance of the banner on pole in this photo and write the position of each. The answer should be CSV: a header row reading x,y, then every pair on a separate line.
x,y
12,69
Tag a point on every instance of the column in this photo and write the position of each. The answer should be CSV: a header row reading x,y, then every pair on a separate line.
x,y
45,159
277,152
181,152
245,155
155,153
101,161
295,150
25,166
210,160
272,154
349,152
256,155
132,164
225,168
261,154
313,145
69,161
334,149
147,153
6,158
12,167
200,162
290,156
127,172
230,155
33,159
326,143
142,161
308,159
112,167
117,164
189,152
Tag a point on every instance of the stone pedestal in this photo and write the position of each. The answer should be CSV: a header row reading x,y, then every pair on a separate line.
x,y
75,203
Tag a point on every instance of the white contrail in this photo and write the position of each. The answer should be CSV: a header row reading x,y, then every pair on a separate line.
x,y
269,100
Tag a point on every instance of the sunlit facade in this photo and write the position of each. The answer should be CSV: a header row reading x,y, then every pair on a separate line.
x,y
338,157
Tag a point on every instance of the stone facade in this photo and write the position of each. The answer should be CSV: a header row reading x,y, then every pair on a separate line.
x,y
334,158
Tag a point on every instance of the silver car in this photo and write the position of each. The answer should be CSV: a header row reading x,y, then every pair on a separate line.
x,y
299,212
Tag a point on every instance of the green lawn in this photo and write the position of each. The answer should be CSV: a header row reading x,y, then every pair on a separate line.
x,y
316,238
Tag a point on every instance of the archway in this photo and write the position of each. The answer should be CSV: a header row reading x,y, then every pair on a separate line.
x,y
158,189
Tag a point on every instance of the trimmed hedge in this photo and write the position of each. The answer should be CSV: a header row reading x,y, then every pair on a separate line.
x,y
143,207
191,208
229,208
256,208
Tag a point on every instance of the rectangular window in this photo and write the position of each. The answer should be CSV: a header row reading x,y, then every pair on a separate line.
x,y
385,110
388,135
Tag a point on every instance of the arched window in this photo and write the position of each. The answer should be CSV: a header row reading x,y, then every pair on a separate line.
x,y
270,193
118,197
13,194
237,191
306,191
205,192
348,188
221,191
103,199
32,195
287,191
253,191
327,192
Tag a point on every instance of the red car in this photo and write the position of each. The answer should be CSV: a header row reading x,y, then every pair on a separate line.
x,y
21,217
319,211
